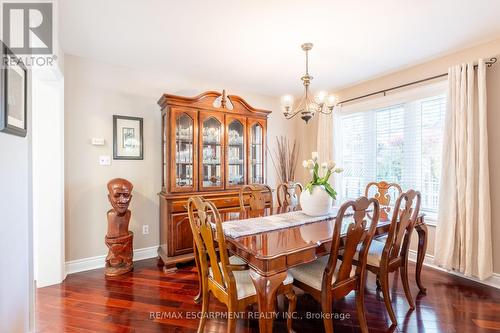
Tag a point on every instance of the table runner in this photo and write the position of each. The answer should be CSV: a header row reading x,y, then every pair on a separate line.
x,y
256,225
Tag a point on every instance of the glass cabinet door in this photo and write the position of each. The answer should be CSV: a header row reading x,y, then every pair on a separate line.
x,y
256,156
164,152
235,151
184,146
212,167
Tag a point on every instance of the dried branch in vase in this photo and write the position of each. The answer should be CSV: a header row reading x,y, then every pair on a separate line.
x,y
285,158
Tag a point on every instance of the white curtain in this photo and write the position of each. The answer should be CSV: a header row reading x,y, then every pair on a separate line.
x,y
325,140
324,143
463,235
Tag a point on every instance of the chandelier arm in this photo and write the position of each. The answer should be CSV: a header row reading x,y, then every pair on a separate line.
x,y
302,104
291,115
330,110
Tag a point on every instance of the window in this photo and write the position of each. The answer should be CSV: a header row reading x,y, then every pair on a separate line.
x,y
398,143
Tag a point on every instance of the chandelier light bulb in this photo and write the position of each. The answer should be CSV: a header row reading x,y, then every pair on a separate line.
x,y
331,101
287,100
320,97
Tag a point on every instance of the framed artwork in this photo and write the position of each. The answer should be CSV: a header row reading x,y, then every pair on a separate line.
x,y
13,93
127,138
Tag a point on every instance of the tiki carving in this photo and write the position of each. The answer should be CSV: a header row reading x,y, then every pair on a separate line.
x,y
119,239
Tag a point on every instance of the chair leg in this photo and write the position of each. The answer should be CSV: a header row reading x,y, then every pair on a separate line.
x,y
231,318
326,308
360,304
377,281
205,299
198,298
384,282
292,304
406,286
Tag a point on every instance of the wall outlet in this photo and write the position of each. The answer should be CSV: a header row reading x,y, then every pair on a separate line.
x,y
145,229
104,160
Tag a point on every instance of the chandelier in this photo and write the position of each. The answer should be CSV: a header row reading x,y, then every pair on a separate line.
x,y
308,105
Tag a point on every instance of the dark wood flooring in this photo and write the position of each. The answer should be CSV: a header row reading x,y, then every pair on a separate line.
x,y
147,300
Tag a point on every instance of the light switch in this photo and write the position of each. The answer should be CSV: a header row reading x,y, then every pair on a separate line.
x,y
98,141
104,160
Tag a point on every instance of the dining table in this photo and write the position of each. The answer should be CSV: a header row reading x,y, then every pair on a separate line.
x,y
270,254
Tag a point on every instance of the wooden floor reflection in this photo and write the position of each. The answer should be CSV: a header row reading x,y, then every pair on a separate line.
x,y
147,300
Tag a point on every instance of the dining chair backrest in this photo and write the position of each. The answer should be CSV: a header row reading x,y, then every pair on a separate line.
x,y
288,193
260,196
384,192
403,220
203,217
356,233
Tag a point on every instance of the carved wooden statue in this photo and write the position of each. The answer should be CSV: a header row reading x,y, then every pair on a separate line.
x,y
119,239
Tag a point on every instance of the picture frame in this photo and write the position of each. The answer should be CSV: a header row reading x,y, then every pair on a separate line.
x,y
13,93
128,138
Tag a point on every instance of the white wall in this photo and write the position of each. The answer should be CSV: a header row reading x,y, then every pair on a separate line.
x,y
16,260
48,176
96,91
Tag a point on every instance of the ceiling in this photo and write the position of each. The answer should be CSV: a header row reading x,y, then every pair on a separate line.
x,y
255,45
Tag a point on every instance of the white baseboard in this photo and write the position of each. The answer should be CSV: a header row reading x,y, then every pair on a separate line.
x,y
85,264
493,281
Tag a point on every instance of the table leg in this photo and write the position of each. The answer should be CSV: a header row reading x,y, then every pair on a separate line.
x,y
421,229
266,287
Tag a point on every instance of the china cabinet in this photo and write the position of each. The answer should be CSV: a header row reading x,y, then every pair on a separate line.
x,y
212,144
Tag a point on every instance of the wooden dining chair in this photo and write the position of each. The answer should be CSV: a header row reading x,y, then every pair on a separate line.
x,y
329,278
288,194
260,196
230,283
385,193
385,257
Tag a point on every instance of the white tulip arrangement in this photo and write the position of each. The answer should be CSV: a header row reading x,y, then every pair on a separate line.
x,y
328,169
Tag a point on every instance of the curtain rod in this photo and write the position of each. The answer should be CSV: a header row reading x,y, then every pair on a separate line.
x,y
489,63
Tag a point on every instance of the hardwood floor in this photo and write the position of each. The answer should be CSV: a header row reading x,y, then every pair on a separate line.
x,y
147,300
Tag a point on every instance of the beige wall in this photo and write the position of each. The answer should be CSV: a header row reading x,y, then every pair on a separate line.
x,y
428,69
93,93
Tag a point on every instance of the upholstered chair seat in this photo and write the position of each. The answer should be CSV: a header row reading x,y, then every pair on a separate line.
x,y
374,253
312,273
244,285
236,260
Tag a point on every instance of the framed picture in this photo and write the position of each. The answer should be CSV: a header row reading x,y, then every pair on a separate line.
x,y
13,92
127,138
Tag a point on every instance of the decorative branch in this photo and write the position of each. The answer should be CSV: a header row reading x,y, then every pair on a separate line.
x,y
285,158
